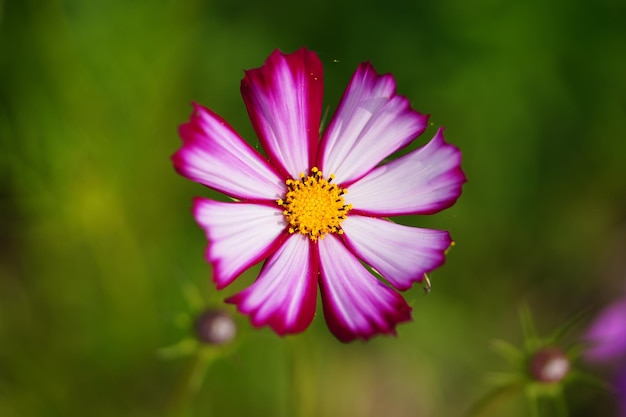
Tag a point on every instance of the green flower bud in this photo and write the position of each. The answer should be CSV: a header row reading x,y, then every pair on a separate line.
x,y
549,365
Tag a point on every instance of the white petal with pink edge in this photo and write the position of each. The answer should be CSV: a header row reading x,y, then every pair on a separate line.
x,y
284,101
424,181
401,254
213,154
356,304
240,235
371,123
285,293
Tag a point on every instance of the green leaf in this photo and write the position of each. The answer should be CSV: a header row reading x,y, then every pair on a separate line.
x,y
510,353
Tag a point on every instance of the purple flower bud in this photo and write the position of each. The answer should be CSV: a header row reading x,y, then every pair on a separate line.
x,y
215,327
549,365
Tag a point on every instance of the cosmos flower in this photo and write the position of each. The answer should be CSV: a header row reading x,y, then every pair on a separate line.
x,y
315,207
607,334
607,338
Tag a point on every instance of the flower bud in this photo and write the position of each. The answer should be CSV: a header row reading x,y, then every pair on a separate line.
x,y
549,365
215,327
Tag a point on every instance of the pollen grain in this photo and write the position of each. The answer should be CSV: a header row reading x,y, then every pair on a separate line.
x,y
314,206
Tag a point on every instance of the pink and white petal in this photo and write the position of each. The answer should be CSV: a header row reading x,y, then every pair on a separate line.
x,y
213,154
285,293
424,181
240,235
284,101
401,254
356,304
370,124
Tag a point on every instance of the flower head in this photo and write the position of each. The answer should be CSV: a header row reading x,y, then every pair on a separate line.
x,y
607,338
314,209
607,334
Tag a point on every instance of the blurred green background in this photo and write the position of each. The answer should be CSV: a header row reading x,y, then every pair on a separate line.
x,y
97,240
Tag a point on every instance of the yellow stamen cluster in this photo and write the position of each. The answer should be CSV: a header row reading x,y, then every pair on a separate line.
x,y
313,206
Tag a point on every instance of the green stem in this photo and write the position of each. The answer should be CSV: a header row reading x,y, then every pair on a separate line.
x,y
303,377
560,405
485,405
533,404
189,383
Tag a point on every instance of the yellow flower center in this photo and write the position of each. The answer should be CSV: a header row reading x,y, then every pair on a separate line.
x,y
313,206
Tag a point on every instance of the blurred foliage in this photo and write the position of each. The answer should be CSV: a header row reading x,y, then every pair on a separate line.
x,y
97,240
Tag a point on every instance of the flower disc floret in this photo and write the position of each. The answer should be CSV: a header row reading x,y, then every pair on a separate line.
x,y
313,206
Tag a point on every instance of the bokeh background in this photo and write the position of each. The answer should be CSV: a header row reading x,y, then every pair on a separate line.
x,y
97,242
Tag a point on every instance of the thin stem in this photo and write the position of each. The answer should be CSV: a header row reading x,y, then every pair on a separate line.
x,y
303,377
485,405
533,404
560,405
189,383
